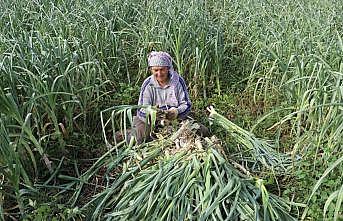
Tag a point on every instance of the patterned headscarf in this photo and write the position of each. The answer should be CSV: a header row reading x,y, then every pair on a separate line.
x,y
160,58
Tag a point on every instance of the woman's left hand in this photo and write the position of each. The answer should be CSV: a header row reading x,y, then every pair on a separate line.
x,y
172,113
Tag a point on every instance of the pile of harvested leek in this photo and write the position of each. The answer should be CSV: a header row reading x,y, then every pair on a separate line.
x,y
182,176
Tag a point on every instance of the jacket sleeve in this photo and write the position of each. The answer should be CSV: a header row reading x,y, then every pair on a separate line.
x,y
145,98
183,97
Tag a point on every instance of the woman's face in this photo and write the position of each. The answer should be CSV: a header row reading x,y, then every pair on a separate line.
x,y
160,73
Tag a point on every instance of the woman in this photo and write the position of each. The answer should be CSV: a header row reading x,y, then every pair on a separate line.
x,y
164,88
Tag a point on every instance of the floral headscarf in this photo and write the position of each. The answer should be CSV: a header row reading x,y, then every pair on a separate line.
x,y
160,58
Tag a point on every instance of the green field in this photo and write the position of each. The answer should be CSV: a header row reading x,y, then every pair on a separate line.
x,y
274,69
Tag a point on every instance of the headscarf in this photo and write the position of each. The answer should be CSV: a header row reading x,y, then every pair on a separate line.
x,y
160,58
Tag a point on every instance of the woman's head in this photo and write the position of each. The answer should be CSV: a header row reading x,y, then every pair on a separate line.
x,y
159,64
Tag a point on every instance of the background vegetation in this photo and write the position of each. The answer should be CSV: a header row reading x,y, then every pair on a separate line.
x,y
272,67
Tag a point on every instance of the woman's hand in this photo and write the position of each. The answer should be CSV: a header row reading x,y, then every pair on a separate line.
x,y
172,113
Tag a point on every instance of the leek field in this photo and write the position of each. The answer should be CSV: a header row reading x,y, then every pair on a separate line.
x,y
266,77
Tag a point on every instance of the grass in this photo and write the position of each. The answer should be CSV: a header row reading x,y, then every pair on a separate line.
x,y
63,62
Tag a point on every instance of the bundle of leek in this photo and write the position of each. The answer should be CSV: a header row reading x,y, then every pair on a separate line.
x,y
183,177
